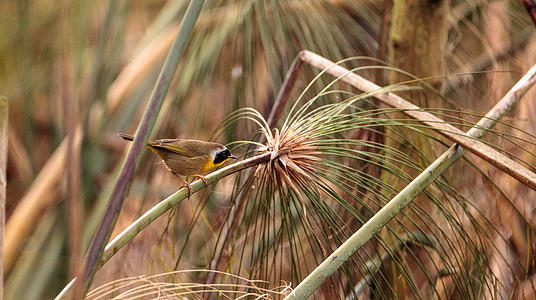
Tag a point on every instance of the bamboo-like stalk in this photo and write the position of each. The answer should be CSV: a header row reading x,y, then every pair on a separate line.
x,y
131,161
406,196
4,107
163,206
139,67
470,143
137,226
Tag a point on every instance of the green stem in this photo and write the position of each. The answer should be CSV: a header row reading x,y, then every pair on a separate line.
x,y
156,211
4,107
163,206
127,170
406,196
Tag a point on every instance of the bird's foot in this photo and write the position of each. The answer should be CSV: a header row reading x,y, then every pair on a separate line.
x,y
186,185
202,178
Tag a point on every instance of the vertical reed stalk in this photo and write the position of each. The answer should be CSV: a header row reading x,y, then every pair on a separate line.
x,y
4,106
156,100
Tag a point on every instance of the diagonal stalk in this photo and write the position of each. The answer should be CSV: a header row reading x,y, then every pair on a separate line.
x,y
406,196
4,109
469,142
163,206
156,100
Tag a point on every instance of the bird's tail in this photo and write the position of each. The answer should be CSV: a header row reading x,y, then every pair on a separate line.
x,y
126,137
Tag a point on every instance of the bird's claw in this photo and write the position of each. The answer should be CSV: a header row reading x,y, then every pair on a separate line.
x,y
202,178
187,185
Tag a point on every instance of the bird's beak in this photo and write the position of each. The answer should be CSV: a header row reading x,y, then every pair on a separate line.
x,y
233,157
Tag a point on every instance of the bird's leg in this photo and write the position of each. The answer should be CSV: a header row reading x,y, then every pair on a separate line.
x,y
190,191
186,184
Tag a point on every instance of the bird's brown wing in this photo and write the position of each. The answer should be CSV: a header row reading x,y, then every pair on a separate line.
x,y
171,145
186,147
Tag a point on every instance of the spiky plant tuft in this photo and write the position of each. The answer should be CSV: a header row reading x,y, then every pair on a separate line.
x,y
292,157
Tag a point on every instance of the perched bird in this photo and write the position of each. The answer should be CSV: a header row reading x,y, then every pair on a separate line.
x,y
187,157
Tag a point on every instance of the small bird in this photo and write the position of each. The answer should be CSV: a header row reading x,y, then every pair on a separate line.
x,y
187,157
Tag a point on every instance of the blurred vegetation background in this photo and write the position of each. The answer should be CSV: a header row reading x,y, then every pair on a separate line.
x,y
77,72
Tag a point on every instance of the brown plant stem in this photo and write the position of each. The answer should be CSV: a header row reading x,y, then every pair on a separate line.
x,y
478,148
470,143
284,92
4,107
